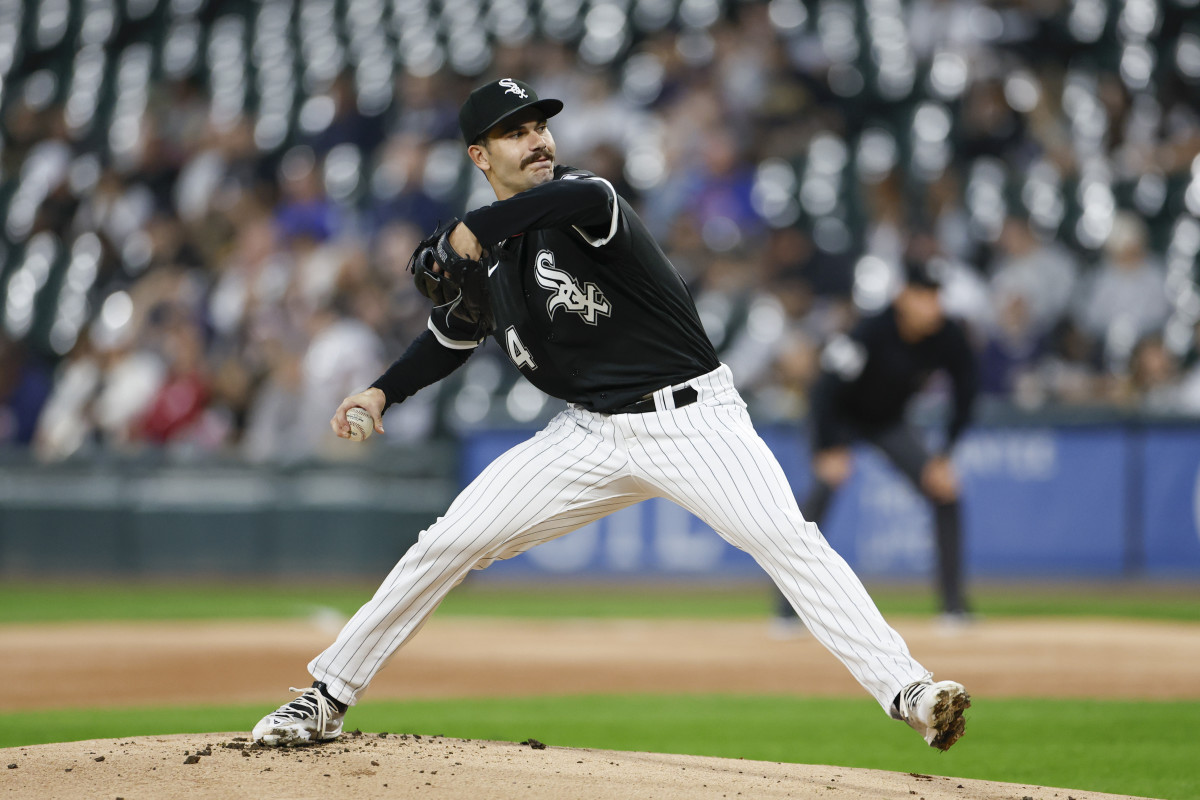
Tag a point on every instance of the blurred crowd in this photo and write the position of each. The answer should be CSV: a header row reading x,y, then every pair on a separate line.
x,y
212,275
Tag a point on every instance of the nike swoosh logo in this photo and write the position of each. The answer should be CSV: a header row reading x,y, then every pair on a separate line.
x,y
492,269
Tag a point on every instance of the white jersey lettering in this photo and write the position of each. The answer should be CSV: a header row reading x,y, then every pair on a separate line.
x,y
517,350
586,301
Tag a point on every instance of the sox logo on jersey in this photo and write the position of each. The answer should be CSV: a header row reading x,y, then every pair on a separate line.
x,y
586,301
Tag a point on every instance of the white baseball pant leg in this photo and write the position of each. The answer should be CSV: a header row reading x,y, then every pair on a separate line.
x,y
708,458
569,474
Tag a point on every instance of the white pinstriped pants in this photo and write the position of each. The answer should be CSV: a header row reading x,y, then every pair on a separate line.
x,y
706,457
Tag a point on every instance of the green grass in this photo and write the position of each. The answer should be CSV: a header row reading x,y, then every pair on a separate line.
x,y
27,601
1137,748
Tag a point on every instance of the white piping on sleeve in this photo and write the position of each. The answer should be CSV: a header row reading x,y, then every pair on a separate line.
x,y
616,213
446,341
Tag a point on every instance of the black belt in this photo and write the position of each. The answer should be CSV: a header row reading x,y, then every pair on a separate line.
x,y
683,397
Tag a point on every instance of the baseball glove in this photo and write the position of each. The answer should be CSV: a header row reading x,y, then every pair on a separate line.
x,y
460,284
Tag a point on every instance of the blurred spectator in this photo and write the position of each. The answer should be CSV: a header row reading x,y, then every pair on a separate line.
x,y
407,311
427,107
744,321
200,207
65,425
304,215
790,255
399,186
1011,352
232,388
179,404
272,418
1152,383
102,389
719,192
1043,274
727,290
608,161
951,222
24,386
1068,374
343,356
289,419
795,367
1189,382
946,24
604,118
991,127
887,225
347,124
1126,297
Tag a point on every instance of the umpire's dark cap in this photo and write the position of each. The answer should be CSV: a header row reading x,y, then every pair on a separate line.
x,y
491,103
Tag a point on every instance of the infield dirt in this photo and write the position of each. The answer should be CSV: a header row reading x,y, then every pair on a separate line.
x,y
372,766
128,664
82,665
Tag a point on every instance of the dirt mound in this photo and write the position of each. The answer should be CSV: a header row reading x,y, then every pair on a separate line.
x,y
376,765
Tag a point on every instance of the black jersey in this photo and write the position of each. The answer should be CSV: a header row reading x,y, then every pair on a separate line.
x,y
584,301
869,376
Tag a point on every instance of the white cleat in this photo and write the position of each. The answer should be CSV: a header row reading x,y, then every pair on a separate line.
x,y
935,710
311,717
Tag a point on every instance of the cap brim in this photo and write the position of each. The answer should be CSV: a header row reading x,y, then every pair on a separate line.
x,y
548,107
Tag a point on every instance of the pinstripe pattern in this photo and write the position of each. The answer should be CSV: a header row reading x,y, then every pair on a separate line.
x,y
706,457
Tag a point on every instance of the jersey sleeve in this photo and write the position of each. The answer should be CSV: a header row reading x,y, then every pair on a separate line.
x,y
453,332
445,346
600,236
425,362
575,199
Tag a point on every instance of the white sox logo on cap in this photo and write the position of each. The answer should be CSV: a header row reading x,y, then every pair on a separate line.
x,y
510,87
588,302
491,103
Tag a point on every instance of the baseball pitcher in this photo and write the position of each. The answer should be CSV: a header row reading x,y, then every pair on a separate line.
x,y
562,273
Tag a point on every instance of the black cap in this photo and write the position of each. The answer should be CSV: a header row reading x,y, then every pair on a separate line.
x,y
492,102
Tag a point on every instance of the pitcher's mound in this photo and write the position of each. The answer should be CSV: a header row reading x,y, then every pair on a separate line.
x,y
378,765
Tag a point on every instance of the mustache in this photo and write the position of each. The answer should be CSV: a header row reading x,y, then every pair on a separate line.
x,y
540,154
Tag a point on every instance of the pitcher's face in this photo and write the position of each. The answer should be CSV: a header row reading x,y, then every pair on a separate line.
x,y
517,154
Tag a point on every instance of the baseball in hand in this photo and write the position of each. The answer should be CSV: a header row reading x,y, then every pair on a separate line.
x,y
361,424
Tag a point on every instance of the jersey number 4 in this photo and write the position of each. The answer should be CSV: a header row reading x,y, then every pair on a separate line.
x,y
517,350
